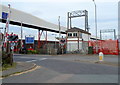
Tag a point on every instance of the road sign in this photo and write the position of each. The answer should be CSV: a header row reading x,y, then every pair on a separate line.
x,y
4,15
29,40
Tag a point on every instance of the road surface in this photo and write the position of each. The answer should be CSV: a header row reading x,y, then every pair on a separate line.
x,y
60,69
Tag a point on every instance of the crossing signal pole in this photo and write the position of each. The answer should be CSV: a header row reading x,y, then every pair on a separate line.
x,y
6,44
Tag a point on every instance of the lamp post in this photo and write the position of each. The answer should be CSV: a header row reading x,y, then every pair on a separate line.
x,y
96,25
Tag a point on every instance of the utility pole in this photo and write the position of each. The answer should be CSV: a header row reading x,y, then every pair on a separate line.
x,y
7,30
114,34
67,20
96,26
100,35
21,35
59,31
59,26
55,45
70,21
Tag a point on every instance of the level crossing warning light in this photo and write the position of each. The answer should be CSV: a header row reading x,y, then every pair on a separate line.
x,y
12,38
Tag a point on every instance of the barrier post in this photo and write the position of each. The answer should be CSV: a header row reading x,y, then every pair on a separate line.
x,y
101,56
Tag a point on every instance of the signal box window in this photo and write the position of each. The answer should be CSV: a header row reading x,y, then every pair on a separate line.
x,y
75,34
69,34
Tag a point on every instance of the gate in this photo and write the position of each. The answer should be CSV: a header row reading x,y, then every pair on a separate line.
x,y
105,46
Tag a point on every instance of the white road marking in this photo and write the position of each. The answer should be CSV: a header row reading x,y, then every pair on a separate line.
x,y
31,61
36,60
42,59
25,57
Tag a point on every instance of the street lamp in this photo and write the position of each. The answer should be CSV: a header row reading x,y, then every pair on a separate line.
x,y
96,25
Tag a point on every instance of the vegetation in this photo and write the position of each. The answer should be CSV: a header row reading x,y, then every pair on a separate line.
x,y
7,66
7,58
32,52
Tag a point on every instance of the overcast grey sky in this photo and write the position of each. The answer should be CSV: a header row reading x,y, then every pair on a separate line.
x,y
49,10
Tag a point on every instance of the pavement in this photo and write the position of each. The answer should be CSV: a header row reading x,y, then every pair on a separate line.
x,y
19,68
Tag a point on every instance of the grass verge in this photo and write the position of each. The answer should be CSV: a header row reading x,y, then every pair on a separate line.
x,y
7,66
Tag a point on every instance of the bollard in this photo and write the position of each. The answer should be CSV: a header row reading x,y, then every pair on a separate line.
x,y
101,56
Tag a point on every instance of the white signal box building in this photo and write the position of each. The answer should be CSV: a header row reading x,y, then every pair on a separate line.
x,y
77,40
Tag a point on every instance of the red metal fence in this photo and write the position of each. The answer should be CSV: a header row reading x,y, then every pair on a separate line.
x,y
106,46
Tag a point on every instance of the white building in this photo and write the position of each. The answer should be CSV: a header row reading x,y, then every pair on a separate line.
x,y
77,40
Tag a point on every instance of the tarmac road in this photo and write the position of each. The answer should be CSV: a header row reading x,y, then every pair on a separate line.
x,y
60,69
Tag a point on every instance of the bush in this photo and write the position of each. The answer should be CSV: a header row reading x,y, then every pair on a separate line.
x,y
32,52
7,58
